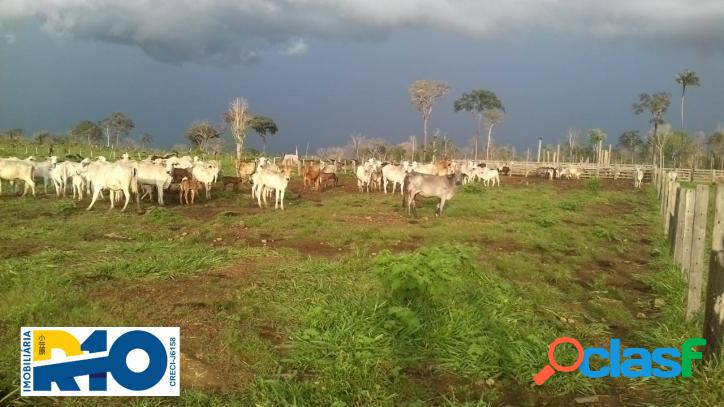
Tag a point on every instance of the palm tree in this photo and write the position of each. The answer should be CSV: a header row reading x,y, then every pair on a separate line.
x,y
686,78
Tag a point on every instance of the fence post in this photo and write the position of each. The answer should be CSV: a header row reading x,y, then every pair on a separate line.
x,y
687,227
664,194
670,206
676,225
696,262
714,308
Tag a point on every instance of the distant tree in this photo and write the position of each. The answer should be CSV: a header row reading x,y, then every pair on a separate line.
x,y
478,102
88,131
572,136
631,141
680,148
492,117
656,105
263,126
13,135
201,133
115,126
239,120
42,137
597,137
686,78
146,139
423,95
715,143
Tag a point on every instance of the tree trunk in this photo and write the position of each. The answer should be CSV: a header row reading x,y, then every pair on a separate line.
x,y
263,139
683,91
424,136
239,149
487,147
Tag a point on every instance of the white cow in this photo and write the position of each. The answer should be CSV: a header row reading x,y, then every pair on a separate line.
x,y
638,176
363,178
205,174
490,175
18,170
394,174
154,175
59,176
117,177
42,169
672,175
278,181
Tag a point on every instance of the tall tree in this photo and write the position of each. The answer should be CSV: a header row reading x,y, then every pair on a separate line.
x,y
264,126
631,141
656,105
686,78
423,95
597,137
41,137
477,102
492,117
239,120
115,126
715,142
88,131
146,139
201,132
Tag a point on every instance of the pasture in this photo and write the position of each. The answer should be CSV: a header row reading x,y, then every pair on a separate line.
x,y
344,300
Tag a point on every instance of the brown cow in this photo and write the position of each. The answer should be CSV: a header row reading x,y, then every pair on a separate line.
x,y
312,176
326,178
245,170
189,186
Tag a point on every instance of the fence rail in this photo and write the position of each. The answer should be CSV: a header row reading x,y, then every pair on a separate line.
x,y
684,215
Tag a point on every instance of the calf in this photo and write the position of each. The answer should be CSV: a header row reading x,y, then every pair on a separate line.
x,y
188,186
235,182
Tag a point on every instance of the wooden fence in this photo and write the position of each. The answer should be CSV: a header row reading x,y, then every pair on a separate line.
x,y
684,213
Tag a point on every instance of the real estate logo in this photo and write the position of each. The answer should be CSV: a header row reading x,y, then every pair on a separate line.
x,y
99,361
627,362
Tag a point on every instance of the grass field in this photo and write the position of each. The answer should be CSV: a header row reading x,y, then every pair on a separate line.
x,y
344,300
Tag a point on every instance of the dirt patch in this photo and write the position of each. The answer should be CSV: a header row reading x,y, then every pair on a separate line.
x,y
309,247
18,248
198,305
505,245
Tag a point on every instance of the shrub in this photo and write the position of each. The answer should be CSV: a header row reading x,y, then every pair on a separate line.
x,y
593,185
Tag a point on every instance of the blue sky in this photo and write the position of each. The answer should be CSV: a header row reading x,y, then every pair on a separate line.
x,y
323,76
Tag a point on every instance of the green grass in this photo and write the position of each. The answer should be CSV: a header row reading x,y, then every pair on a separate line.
x,y
347,301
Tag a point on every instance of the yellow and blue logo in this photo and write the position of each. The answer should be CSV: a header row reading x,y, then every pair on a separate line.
x,y
109,361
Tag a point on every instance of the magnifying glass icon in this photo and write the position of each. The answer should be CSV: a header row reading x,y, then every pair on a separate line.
x,y
553,366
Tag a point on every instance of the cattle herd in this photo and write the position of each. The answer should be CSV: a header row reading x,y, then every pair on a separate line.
x,y
126,178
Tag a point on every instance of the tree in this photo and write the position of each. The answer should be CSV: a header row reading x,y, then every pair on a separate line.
x,y
87,130
492,117
656,105
631,141
263,126
41,137
239,120
686,78
13,135
477,102
423,95
201,132
597,136
146,139
572,136
715,143
116,126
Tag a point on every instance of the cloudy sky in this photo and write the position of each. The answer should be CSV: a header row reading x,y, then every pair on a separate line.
x,y
327,68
